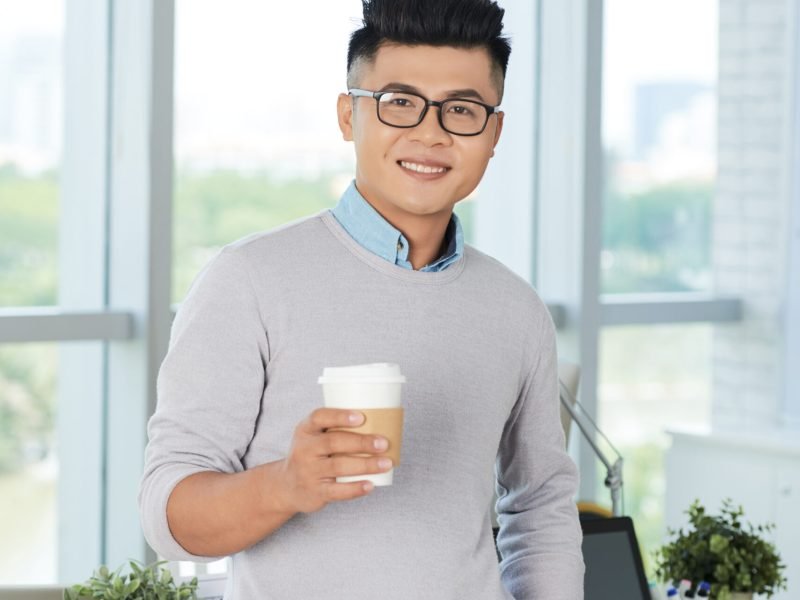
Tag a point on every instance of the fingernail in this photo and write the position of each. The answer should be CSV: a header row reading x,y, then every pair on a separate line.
x,y
355,417
380,444
384,463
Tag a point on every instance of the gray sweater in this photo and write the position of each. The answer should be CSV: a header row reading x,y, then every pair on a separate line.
x,y
477,346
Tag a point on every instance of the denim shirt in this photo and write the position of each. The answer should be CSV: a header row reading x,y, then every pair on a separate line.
x,y
367,227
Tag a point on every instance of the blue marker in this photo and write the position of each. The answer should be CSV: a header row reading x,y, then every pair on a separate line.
x,y
672,592
704,589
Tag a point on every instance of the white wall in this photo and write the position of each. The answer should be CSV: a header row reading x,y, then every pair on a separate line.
x,y
752,208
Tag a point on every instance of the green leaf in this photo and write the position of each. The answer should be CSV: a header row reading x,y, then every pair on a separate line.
x,y
132,586
137,570
718,543
166,576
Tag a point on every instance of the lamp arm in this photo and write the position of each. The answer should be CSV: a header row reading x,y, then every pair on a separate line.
x,y
613,479
587,436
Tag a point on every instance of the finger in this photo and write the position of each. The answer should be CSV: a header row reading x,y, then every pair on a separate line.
x,y
348,442
324,418
343,465
333,491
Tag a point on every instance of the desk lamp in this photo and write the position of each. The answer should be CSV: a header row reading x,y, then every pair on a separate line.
x,y
613,479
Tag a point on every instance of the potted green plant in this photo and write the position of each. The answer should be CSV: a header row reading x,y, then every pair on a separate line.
x,y
145,582
732,556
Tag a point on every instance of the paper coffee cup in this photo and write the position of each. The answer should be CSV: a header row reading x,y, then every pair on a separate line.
x,y
373,389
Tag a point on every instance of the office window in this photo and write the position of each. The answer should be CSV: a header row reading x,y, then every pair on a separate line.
x,y
659,138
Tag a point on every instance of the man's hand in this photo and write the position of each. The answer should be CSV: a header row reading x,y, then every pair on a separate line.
x,y
217,514
317,456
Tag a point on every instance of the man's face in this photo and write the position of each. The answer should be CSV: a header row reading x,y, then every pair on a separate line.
x,y
400,193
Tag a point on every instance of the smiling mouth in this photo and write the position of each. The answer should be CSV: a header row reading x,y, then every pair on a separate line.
x,y
424,169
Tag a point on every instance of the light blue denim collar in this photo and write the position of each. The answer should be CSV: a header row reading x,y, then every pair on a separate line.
x,y
367,227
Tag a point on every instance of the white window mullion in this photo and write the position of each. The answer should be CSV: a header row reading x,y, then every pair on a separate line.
x,y
592,195
81,288
570,190
52,324
140,251
671,307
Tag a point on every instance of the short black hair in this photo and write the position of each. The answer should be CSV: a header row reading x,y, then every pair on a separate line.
x,y
456,23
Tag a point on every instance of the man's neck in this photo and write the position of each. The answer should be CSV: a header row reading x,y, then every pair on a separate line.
x,y
425,233
425,239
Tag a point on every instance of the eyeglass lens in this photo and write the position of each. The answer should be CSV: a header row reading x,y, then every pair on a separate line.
x,y
405,110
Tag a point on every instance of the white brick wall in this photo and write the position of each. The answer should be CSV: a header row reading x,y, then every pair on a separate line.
x,y
751,230
791,409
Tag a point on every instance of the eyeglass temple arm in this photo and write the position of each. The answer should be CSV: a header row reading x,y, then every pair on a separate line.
x,y
358,92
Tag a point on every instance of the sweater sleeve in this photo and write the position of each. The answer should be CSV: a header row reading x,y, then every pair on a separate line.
x,y
209,388
539,537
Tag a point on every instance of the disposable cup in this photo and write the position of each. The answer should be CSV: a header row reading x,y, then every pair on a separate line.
x,y
375,390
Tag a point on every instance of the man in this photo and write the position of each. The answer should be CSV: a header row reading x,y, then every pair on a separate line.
x,y
240,460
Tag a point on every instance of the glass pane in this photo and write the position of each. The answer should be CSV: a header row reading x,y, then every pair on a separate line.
x,y
659,135
28,464
30,147
256,145
652,378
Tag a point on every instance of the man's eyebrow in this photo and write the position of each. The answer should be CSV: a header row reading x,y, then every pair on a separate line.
x,y
404,87
465,93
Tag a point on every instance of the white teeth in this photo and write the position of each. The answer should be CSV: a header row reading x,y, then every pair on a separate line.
x,y
421,168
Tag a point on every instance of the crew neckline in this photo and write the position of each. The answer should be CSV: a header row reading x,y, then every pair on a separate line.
x,y
386,267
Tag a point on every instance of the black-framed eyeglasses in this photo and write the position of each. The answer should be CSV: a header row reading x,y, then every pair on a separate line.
x,y
458,116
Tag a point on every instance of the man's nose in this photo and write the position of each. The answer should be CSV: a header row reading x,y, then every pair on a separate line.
x,y
429,131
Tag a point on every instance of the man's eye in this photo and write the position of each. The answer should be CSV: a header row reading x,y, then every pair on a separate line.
x,y
398,101
462,110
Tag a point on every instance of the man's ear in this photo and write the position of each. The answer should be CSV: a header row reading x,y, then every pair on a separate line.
x,y
344,110
497,130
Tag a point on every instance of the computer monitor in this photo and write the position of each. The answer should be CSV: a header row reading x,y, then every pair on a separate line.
x,y
614,569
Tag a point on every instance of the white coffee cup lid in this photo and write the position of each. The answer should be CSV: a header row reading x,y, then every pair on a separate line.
x,y
372,373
